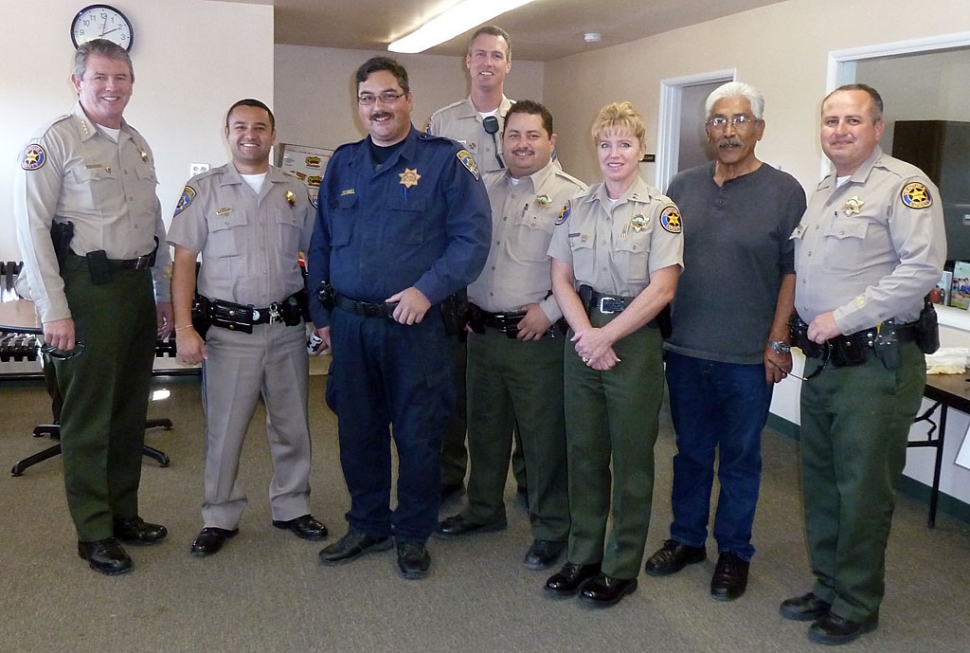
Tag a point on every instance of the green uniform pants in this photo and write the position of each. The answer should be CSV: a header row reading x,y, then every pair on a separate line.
x,y
854,426
613,415
517,382
105,391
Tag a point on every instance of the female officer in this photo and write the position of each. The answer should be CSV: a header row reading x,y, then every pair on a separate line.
x,y
620,245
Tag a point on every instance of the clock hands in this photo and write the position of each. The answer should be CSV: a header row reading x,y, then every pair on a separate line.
x,y
109,31
105,24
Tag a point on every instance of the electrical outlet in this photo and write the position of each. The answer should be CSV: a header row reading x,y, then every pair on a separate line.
x,y
197,168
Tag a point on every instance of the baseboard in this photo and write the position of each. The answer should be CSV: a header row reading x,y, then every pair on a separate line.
x,y
908,487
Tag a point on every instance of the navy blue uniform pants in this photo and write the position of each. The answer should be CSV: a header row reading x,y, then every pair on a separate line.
x,y
391,379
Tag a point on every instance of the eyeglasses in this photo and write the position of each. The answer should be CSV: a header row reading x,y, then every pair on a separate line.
x,y
387,97
60,354
826,356
739,120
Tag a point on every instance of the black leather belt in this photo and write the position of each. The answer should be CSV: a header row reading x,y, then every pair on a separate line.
x,y
504,322
608,304
140,263
366,309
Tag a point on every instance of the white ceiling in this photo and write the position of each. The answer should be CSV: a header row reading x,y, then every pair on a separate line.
x,y
542,31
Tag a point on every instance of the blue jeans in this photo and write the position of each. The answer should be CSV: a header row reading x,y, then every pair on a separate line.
x,y
717,408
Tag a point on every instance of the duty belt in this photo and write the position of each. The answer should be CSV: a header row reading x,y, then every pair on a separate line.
x,y
504,322
366,309
608,304
140,263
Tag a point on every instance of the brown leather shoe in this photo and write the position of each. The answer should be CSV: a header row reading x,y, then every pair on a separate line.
x,y
106,556
570,579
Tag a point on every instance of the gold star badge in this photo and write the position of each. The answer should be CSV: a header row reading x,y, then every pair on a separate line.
x,y
144,155
543,200
290,198
638,222
853,206
409,177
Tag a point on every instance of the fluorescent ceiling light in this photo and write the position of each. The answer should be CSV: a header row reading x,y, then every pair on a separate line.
x,y
457,20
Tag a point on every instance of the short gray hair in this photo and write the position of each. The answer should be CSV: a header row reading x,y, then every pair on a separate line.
x,y
101,47
738,89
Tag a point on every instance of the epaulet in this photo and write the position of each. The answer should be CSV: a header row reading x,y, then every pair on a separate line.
x,y
211,172
46,128
565,175
448,107
492,177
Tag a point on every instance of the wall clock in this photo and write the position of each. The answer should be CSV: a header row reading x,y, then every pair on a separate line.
x,y
101,22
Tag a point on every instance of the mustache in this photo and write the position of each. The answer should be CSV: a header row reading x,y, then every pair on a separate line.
x,y
729,142
377,115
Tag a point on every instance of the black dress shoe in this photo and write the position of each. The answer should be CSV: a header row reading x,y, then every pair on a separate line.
x,y
106,556
457,525
673,557
543,554
136,530
604,591
730,577
413,559
210,540
305,527
351,546
806,607
451,491
834,630
571,578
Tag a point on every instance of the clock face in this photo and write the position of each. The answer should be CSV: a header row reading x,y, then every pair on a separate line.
x,y
101,22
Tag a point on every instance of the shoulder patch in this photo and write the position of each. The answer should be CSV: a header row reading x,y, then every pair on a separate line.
x,y
466,160
184,200
670,220
34,157
916,195
564,214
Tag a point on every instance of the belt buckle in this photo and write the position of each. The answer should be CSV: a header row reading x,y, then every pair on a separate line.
x,y
608,305
142,262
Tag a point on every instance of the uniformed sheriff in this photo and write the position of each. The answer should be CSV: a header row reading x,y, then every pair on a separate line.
x,y
515,353
870,247
87,181
250,221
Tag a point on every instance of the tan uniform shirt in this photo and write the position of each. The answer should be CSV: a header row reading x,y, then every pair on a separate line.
x,y
72,172
250,243
869,250
524,215
462,122
614,246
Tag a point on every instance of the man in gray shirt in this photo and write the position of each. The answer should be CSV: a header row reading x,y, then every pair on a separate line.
x,y
730,335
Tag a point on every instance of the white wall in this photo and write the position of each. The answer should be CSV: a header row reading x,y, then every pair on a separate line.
x,y
315,90
192,59
782,49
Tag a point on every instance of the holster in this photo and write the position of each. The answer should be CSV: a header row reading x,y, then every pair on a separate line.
x,y
928,328
454,312
61,235
327,295
200,315
798,332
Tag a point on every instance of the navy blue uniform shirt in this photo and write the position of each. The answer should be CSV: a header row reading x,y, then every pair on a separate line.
x,y
420,219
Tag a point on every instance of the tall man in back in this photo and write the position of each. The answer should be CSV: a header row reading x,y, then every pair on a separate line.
x,y
476,123
515,355
250,221
403,225
92,174
729,344
870,247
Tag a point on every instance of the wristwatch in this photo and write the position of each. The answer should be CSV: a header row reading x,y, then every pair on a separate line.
x,y
780,347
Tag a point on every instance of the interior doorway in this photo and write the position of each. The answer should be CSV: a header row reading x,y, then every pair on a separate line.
x,y
681,143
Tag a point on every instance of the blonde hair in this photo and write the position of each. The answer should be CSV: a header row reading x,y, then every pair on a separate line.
x,y
619,114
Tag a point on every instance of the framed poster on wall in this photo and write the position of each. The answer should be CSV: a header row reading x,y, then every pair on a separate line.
x,y
306,162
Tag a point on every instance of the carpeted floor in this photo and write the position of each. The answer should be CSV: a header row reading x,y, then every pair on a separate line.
x,y
266,592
